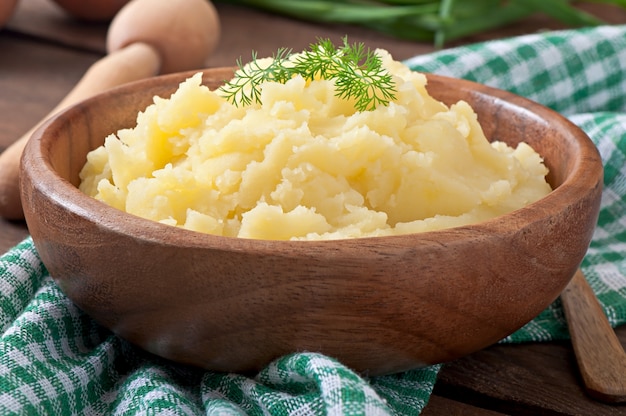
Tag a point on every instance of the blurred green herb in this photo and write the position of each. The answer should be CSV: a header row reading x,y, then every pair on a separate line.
x,y
432,21
358,73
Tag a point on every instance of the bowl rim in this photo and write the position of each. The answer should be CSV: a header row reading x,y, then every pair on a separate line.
x,y
59,190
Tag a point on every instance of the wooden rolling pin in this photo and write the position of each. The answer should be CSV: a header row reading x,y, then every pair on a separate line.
x,y
146,37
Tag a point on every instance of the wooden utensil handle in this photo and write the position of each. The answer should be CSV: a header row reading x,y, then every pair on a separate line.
x,y
600,355
134,62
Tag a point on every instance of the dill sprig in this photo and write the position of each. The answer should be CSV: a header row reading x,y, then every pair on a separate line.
x,y
357,72
245,87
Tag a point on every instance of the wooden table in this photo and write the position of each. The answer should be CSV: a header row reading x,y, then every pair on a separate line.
x,y
43,53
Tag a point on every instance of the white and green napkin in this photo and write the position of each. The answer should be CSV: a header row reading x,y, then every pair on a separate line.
x,y
55,360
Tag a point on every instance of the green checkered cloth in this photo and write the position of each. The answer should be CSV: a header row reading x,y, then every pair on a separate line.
x,y
55,360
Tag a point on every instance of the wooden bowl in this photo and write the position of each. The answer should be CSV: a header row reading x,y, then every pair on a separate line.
x,y
380,305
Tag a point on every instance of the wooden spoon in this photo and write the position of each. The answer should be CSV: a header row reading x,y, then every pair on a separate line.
x,y
145,38
600,355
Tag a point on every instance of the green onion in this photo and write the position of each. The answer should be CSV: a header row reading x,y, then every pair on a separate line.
x,y
425,20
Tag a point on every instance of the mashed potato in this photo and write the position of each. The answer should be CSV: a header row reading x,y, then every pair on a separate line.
x,y
305,165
